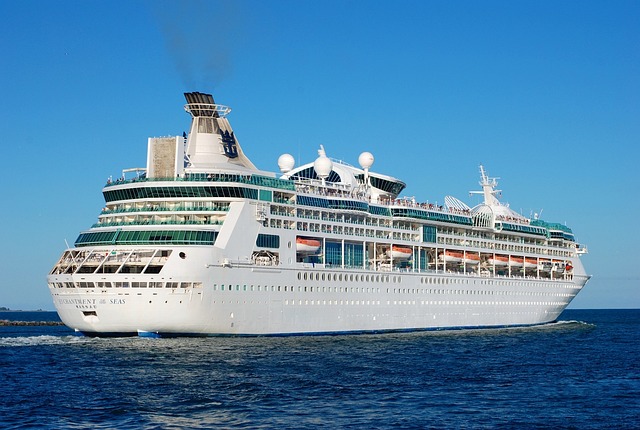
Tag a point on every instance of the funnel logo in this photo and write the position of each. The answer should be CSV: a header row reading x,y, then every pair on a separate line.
x,y
229,144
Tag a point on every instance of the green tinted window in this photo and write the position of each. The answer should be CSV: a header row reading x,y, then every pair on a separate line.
x,y
268,241
153,237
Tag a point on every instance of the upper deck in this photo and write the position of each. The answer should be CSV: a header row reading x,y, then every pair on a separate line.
x,y
202,172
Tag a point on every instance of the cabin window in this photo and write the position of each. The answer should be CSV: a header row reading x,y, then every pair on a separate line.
x,y
429,234
268,241
266,195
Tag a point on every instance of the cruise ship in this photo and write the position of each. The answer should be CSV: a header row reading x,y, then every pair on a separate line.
x,y
201,242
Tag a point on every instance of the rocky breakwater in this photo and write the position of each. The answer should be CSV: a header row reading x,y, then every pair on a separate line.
x,y
30,323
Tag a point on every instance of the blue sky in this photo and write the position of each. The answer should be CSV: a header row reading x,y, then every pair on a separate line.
x,y
545,94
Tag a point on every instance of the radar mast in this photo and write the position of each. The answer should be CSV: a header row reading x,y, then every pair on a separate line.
x,y
488,188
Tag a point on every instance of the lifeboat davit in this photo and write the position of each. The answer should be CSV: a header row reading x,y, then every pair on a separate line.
x,y
560,266
399,252
307,246
499,260
545,266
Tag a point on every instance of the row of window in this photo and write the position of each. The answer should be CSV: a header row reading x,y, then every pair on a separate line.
x,y
378,210
302,289
147,237
429,280
415,302
166,206
522,228
551,226
431,215
179,192
259,180
126,284
348,277
357,290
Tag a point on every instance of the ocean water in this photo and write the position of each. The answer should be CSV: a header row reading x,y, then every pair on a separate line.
x,y
582,372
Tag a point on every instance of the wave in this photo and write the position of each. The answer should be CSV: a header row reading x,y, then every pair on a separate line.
x,y
559,325
556,325
42,340
572,322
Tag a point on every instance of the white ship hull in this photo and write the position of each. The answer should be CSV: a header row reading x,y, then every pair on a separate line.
x,y
249,300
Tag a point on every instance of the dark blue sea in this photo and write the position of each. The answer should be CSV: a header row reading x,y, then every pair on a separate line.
x,y
582,372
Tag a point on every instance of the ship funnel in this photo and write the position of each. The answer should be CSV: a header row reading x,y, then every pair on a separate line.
x,y
211,143
203,105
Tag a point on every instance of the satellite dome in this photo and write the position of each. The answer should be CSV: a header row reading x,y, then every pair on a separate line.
x,y
286,163
366,160
323,167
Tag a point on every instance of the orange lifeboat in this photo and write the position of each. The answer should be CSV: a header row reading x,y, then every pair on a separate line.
x,y
530,262
471,258
516,261
399,252
307,246
452,256
499,260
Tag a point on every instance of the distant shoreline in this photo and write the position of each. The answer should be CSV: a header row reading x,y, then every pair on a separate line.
x,y
4,323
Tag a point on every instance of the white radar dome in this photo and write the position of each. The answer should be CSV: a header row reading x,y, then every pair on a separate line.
x,y
286,163
366,160
323,167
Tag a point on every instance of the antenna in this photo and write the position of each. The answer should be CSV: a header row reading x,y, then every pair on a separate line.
x,y
488,188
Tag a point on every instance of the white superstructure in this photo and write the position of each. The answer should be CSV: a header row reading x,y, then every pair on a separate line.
x,y
201,242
